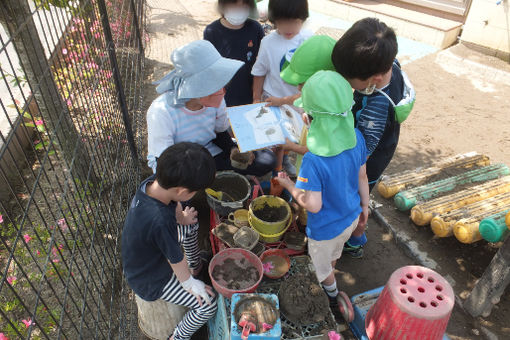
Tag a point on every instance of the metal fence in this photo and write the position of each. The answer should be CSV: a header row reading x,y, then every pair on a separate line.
x,y
70,126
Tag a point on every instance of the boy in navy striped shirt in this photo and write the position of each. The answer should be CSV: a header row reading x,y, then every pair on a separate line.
x,y
365,56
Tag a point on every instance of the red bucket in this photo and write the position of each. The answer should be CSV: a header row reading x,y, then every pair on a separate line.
x,y
416,303
236,254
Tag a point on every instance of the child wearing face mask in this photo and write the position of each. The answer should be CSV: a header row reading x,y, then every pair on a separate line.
x,y
365,56
237,37
276,50
191,108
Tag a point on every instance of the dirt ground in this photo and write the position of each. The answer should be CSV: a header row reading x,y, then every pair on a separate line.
x,y
462,105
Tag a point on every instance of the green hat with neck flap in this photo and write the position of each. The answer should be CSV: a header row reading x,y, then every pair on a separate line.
x,y
327,97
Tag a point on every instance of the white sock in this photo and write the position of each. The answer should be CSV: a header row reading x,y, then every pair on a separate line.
x,y
331,290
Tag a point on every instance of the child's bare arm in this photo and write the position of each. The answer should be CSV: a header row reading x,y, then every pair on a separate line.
x,y
310,200
364,194
294,147
181,270
258,83
277,101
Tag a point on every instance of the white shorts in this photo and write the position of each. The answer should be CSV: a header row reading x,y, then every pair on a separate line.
x,y
323,253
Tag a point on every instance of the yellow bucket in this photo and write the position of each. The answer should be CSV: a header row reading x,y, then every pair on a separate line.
x,y
268,238
266,227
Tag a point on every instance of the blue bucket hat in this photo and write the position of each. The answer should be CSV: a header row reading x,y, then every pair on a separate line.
x,y
199,71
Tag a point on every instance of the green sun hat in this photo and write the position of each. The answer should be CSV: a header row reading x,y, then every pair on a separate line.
x,y
313,55
327,97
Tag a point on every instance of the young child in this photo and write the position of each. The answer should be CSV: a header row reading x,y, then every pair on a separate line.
x,y
332,184
191,108
275,51
237,37
156,227
288,16
365,56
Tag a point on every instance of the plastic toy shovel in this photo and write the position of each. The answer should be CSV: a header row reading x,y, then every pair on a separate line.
x,y
247,326
218,194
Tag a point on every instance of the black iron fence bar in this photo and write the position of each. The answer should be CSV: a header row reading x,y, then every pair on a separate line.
x,y
110,46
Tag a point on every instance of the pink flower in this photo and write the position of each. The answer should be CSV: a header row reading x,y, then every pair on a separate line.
x,y
69,102
3,337
332,335
63,224
64,51
268,266
12,279
55,260
60,246
27,322
37,141
1,219
27,238
54,251
109,137
39,122
38,252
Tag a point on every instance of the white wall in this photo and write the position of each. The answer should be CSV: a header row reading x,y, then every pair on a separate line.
x,y
488,25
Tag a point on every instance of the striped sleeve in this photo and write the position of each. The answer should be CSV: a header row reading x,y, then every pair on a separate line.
x,y
372,120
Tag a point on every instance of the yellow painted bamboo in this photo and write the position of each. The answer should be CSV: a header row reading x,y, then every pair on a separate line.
x,y
422,214
466,231
391,185
443,225
507,220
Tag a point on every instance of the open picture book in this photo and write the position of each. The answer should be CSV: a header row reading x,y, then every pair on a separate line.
x,y
256,126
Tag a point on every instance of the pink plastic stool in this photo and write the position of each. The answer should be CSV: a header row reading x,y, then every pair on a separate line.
x,y
416,303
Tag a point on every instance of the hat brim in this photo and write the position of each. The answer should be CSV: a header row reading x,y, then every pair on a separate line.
x,y
293,78
211,79
299,102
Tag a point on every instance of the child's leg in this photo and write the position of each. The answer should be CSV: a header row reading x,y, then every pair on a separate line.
x,y
188,238
324,255
196,317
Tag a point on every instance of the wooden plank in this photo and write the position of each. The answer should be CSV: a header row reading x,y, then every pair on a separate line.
x,y
492,284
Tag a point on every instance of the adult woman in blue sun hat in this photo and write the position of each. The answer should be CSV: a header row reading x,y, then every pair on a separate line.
x,y
191,108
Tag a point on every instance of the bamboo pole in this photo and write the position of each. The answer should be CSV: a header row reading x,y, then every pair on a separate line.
x,y
443,225
389,186
405,200
493,228
422,214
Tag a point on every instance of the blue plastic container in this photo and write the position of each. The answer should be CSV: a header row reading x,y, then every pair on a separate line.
x,y
273,333
361,304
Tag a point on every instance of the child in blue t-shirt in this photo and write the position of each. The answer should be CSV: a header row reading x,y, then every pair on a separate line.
x,y
236,36
332,184
155,228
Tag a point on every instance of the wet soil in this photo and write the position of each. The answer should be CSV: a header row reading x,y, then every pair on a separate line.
x,y
302,299
236,274
225,232
271,214
280,265
258,310
233,187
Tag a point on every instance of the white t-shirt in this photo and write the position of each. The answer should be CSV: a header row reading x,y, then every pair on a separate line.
x,y
271,58
168,125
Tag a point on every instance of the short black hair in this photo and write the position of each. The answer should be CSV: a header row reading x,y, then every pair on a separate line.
x,y
368,48
250,3
287,9
187,165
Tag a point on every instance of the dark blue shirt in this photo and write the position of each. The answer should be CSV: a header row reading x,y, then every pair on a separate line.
x,y
241,44
375,116
149,241
337,179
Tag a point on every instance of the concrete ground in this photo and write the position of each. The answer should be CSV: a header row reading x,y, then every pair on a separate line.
x,y
462,105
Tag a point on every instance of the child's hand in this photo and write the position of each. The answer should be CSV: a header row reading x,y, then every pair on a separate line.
x,y
189,216
363,218
276,101
284,180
